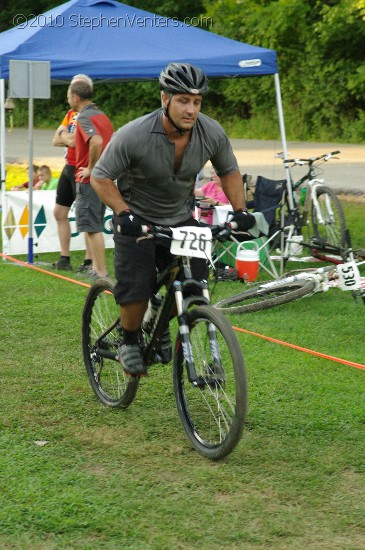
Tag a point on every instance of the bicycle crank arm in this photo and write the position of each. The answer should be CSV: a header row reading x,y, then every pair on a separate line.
x,y
107,354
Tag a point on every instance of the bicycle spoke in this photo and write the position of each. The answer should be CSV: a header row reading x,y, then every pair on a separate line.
x,y
212,410
101,338
328,221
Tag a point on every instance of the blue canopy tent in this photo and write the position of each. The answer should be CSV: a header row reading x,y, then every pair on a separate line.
x,y
111,41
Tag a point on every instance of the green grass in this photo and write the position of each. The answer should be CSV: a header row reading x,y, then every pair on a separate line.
x,y
110,479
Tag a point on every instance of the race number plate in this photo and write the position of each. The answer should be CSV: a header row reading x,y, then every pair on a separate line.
x,y
349,276
195,242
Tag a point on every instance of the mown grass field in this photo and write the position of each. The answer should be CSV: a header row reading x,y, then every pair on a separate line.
x,y
109,479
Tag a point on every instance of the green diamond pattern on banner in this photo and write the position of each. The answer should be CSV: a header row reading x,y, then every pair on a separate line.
x,y
40,222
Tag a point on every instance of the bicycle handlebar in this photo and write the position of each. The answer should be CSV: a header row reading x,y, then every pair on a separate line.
x,y
325,157
220,232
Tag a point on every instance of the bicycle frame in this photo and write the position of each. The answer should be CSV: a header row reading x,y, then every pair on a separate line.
x,y
174,296
310,176
321,277
298,217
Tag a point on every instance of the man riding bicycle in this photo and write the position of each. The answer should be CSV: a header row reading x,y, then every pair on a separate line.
x,y
155,159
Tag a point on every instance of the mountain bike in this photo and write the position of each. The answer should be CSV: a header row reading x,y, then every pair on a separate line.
x,y
209,377
295,285
316,212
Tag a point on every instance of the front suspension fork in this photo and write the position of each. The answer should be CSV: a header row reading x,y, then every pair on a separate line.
x,y
184,330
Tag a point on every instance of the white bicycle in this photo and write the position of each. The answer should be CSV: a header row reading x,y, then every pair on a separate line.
x,y
316,219
294,286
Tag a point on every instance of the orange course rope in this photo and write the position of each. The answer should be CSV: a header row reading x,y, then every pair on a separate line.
x,y
25,264
269,338
299,348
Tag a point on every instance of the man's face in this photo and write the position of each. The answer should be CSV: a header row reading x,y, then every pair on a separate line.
x,y
184,109
72,100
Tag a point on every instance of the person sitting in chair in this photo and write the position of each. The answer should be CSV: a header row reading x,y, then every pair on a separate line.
x,y
211,193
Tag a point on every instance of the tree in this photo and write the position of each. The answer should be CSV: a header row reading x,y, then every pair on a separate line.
x,y
320,47
10,9
321,56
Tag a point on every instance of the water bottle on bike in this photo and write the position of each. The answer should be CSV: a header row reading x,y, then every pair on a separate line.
x,y
150,315
164,352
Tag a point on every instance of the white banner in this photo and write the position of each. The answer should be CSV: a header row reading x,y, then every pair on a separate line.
x,y
15,218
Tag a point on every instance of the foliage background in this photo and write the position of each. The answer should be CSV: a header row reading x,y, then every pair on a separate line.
x,y
321,53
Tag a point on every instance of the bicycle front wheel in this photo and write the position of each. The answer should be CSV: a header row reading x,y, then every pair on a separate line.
x,y
101,336
212,409
328,221
266,296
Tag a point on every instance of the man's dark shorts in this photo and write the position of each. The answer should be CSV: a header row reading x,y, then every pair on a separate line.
x,y
89,210
66,187
136,264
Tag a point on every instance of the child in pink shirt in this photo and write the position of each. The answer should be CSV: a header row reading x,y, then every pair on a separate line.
x,y
214,194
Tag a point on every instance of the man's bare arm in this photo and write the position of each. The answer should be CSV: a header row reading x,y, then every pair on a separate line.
x,y
63,138
56,140
109,193
95,150
232,185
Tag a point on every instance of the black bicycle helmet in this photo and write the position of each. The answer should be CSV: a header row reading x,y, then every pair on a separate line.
x,y
182,78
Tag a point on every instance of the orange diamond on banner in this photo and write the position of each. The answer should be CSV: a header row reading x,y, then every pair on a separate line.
x,y
23,222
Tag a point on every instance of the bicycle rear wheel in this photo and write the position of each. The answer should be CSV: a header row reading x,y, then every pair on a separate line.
x,y
101,336
265,296
329,235
212,411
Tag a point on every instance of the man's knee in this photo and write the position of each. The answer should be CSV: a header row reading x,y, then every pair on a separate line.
x,y
60,212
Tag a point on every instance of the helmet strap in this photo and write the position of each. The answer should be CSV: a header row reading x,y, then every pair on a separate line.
x,y
167,115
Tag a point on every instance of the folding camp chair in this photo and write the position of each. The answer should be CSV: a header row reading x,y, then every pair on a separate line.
x,y
267,198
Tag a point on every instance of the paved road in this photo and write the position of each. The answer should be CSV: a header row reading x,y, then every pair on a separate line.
x,y
254,157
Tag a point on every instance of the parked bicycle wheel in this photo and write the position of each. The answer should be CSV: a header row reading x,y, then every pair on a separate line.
x,y
265,296
101,336
332,233
212,411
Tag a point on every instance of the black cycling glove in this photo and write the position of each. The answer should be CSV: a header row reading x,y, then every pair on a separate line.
x,y
127,223
244,219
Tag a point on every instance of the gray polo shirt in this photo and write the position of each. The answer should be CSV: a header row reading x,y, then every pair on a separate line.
x,y
141,158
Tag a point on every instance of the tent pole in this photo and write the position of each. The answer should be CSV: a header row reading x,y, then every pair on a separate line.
x,y
2,132
2,148
30,178
283,136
